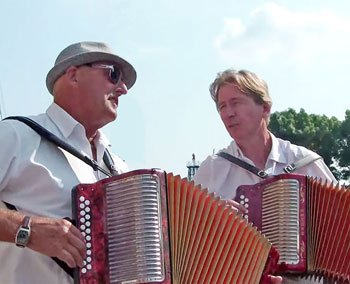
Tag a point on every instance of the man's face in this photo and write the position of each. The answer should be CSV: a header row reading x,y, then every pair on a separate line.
x,y
98,94
242,117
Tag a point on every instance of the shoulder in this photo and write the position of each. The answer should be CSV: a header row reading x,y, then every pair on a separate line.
x,y
212,161
17,134
11,130
293,151
212,167
15,125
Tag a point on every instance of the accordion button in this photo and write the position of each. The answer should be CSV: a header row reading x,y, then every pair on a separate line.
x,y
82,205
87,202
88,266
87,209
88,223
88,252
88,231
246,205
82,212
87,217
88,238
241,197
83,270
82,198
88,259
82,220
88,245
82,227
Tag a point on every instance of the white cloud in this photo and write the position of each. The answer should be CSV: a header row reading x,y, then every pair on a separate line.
x,y
274,32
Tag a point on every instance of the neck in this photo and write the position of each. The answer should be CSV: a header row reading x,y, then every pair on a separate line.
x,y
257,149
92,145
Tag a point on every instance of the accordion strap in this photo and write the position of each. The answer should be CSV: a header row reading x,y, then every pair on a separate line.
x,y
301,163
262,173
43,132
243,164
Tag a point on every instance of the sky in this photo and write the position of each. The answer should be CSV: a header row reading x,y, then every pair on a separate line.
x,y
300,48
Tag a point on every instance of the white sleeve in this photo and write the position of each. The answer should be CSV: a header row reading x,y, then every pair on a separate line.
x,y
9,153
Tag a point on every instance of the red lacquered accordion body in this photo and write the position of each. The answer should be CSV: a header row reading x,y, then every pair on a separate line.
x,y
308,222
147,226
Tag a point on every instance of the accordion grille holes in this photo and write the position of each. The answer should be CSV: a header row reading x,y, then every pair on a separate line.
x,y
134,233
280,218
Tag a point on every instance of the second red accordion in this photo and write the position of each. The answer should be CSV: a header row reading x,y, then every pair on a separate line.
x,y
307,221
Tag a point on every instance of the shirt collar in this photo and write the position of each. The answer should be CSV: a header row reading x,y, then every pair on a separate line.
x,y
276,152
67,124
64,121
102,139
234,150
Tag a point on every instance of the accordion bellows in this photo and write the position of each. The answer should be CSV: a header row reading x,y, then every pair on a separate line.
x,y
147,226
307,221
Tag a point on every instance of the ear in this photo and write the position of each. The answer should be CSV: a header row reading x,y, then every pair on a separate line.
x,y
71,74
266,110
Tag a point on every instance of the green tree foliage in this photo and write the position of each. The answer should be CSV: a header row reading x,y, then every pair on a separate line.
x,y
328,137
343,143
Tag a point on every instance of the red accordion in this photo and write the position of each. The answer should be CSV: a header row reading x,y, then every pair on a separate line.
x,y
308,222
147,226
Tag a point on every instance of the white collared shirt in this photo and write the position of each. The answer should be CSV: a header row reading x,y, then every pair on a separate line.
x,y
223,177
37,177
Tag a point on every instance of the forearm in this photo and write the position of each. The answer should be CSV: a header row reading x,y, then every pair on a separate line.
x,y
10,221
52,237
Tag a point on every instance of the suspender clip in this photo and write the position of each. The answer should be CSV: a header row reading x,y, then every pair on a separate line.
x,y
262,174
289,169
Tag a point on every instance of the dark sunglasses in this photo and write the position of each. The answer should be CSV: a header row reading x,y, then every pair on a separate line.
x,y
114,73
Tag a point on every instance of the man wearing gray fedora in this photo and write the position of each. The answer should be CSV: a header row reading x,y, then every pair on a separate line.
x,y
36,176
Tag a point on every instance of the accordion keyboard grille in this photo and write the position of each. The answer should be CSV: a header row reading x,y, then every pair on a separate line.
x,y
134,246
280,218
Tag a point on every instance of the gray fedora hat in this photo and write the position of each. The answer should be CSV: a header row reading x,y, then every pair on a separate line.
x,y
87,52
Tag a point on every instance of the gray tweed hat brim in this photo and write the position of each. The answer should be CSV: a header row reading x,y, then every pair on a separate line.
x,y
88,52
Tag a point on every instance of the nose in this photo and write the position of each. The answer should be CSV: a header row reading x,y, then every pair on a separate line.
x,y
120,88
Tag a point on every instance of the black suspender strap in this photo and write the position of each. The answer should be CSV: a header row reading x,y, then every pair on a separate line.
x,y
108,160
60,143
261,173
243,164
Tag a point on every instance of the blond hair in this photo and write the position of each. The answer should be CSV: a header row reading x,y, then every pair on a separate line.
x,y
248,82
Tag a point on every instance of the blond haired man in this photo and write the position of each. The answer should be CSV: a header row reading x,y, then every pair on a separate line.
x,y
244,105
